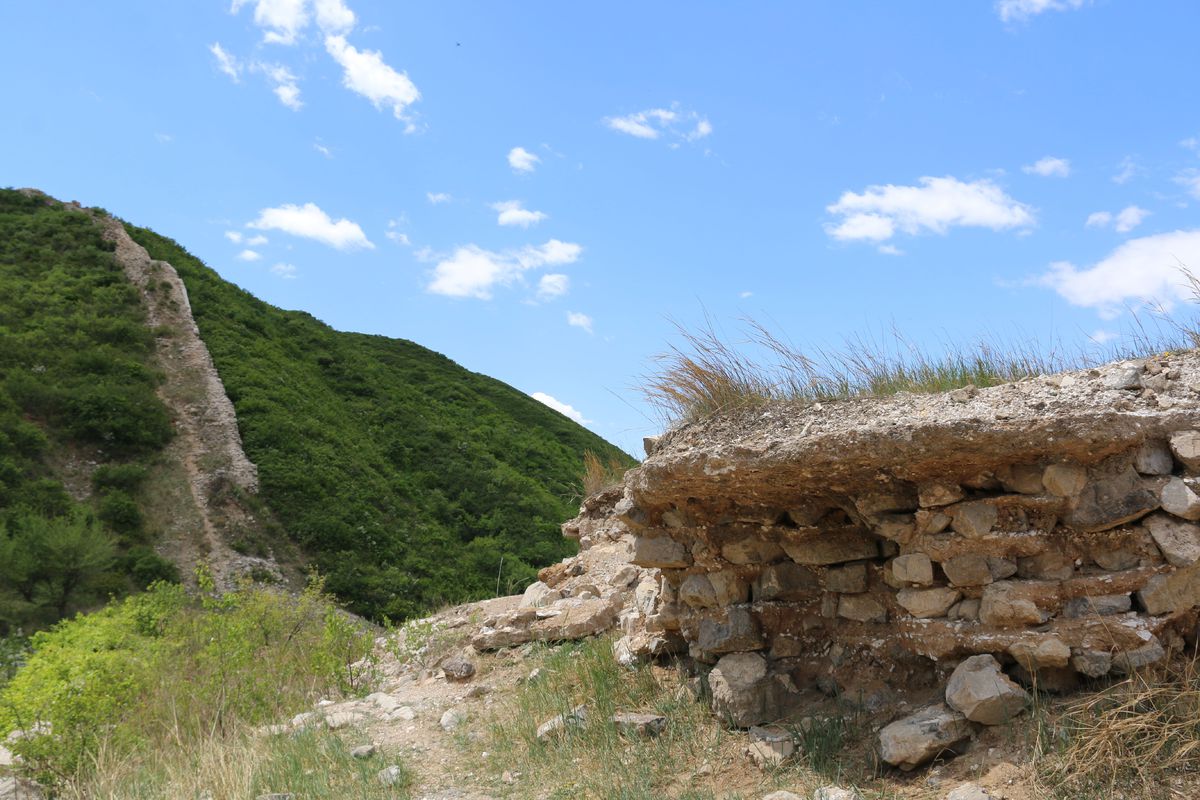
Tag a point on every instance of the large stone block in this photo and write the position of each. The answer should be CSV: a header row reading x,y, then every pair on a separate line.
x,y
1186,447
928,603
1179,499
850,579
660,551
831,547
910,742
786,580
968,570
1178,541
1003,606
1175,591
1154,458
751,550
738,631
740,689
1112,501
713,590
983,693
973,519
915,568
861,608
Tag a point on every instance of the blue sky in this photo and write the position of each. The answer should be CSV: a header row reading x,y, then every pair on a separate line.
x,y
536,189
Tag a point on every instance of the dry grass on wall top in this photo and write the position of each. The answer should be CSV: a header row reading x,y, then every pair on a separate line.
x,y
709,373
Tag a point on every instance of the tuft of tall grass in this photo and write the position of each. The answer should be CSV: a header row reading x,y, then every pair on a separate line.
x,y
708,373
1134,739
599,474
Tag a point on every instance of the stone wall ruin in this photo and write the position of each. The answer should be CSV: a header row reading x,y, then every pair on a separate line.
x,y
866,547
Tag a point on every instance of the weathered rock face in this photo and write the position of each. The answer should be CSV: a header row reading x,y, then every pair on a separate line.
x,y
1047,523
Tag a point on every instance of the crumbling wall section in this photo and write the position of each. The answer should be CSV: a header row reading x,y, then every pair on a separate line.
x,y
865,547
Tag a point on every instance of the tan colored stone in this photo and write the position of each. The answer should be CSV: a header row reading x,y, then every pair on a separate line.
x,y
983,693
1175,591
861,608
1040,653
739,688
1154,458
1178,498
786,580
928,603
909,742
1111,501
751,551
660,551
973,519
1186,447
738,630
1050,565
1003,607
914,568
1178,541
968,570
930,523
938,494
1022,479
831,547
1064,480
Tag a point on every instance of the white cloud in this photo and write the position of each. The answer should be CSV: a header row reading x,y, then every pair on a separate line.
x,y
654,123
286,87
1126,170
225,62
890,250
936,205
521,160
323,150
1146,269
1190,179
1101,336
578,320
553,285
333,16
365,73
1190,143
437,198
745,295
248,255
471,271
310,222
1010,10
284,270
1123,221
559,406
164,138
283,20
257,240
394,233
1049,167
512,213
234,236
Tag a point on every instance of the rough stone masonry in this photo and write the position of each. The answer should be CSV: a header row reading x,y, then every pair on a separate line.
x,y
868,546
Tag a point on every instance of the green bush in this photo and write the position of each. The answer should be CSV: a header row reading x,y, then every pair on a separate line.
x,y
163,665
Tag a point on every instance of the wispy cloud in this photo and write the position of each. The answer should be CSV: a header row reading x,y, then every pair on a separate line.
x,y
1189,179
284,270
1018,10
674,123
578,320
395,234
365,73
323,149
559,406
1127,170
286,86
310,222
1143,269
1049,167
471,271
437,198
1123,221
511,212
234,236
225,62
521,160
553,285
935,205
248,255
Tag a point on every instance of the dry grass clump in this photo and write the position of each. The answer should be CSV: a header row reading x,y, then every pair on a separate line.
x,y
314,764
1135,739
599,474
708,373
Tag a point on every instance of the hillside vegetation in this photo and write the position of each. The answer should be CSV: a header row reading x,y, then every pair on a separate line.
x,y
77,381
409,480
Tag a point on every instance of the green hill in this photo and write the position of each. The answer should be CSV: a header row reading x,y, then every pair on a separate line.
x,y
406,480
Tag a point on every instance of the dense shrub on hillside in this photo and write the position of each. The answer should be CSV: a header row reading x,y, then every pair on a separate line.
x,y
410,480
163,666
75,374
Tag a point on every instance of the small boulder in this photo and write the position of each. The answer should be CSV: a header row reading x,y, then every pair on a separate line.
x,y
1178,498
913,568
557,726
1003,607
861,608
1041,653
782,794
453,718
1092,663
969,791
968,570
390,776
983,693
739,689
909,742
1064,480
1154,458
363,752
458,668
643,725
928,603
973,519
1179,541
836,793
1186,447
539,595
850,579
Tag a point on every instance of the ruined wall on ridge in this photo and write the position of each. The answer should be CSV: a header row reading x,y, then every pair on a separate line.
x,y
864,547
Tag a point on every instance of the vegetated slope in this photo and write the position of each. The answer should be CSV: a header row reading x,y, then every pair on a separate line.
x,y
77,400
408,479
